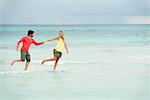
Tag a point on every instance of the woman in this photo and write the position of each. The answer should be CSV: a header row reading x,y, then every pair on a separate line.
x,y
57,52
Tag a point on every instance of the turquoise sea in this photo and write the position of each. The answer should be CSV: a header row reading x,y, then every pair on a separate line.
x,y
106,62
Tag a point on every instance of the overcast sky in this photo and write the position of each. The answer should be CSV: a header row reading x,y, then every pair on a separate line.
x,y
74,11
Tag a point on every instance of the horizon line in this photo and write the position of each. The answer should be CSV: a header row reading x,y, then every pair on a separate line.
x,y
70,24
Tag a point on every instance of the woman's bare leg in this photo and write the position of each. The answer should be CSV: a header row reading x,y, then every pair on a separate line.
x,y
51,59
56,61
18,60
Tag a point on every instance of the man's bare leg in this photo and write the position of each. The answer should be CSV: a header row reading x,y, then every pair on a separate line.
x,y
26,66
18,60
57,59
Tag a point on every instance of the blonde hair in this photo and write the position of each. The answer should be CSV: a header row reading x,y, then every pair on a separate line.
x,y
63,33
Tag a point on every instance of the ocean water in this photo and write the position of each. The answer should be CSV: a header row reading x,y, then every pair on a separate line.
x,y
106,62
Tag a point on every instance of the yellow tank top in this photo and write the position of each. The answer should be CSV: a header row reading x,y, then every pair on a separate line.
x,y
60,45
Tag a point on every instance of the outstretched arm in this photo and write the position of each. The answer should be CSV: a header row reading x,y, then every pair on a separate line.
x,y
53,39
38,43
66,46
21,40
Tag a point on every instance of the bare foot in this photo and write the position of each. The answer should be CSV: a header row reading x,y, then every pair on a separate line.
x,y
43,62
12,63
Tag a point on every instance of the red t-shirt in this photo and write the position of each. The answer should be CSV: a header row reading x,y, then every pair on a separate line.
x,y
27,42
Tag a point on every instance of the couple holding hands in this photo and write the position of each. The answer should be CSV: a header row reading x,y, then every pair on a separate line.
x,y
28,40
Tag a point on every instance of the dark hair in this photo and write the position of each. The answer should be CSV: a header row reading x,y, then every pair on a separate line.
x,y
30,32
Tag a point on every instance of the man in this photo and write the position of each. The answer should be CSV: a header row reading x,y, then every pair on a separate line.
x,y
27,41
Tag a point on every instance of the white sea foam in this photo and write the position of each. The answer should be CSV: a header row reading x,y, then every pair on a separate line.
x,y
14,72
